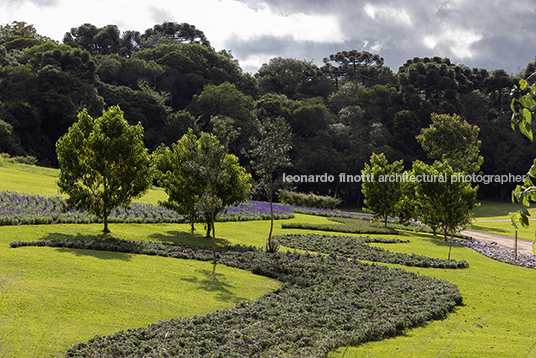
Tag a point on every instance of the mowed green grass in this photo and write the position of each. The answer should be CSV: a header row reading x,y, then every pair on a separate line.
x,y
494,217
52,298
31,179
498,317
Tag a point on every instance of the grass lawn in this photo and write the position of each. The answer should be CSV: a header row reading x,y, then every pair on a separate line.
x,y
498,210
52,298
493,217
31,179
498,318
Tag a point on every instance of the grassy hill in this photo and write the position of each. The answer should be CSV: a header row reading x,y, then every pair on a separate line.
x,y
53,298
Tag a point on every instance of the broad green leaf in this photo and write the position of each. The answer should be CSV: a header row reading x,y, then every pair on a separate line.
x,y
527,101
513,107
527,116
513,218
524,221
525,127
523,84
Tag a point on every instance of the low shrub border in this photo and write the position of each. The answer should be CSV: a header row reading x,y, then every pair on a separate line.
x,y
356,248
364,228
324,303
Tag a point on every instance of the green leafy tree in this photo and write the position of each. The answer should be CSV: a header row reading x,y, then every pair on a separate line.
x,y
19,35
443,200
381,188
352,66
225,100
293,78
523,107
225,182
201,178
172,32
452,140
184,190
269,152
103,163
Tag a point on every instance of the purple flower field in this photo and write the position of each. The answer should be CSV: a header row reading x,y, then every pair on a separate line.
x,y
23,209
498,253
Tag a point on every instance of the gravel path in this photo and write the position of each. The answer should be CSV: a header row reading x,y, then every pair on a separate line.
x,y
523,246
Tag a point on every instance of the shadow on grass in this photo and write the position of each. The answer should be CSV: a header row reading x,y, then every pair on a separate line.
x,y
100,254
492,230
214,282
186,238
438,240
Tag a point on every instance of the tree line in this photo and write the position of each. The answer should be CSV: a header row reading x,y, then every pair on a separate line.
x,y
170,80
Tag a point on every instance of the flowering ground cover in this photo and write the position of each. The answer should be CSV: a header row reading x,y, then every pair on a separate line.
x,y
357,248
498,253
24,209
325,302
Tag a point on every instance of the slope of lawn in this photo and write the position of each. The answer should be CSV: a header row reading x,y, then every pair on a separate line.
x,y
497,319
32,179
494,217
54,298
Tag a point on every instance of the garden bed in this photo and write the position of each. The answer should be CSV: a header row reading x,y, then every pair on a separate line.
x,y
325,302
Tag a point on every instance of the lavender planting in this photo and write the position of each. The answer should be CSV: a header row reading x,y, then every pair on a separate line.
x,y
498,253
22,209
325,302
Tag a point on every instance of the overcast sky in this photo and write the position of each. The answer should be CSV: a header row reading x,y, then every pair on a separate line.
x,y
491,34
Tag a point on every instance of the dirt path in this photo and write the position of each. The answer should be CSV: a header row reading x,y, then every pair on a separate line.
x,y
523,246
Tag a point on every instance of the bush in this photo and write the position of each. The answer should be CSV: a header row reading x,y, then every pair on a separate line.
x,y
356,248
30,160
308,200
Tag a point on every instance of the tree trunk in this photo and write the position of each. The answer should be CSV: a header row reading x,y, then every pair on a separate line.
x,y
213,229
450,246
270,199
106,230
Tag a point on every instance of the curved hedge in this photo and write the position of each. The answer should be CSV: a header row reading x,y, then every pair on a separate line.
x,y
324,303
356,248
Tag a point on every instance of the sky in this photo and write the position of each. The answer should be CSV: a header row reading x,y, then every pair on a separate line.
x,y
490,34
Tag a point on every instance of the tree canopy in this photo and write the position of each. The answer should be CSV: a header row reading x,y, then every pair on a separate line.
x,y
169,78
103,163
454,141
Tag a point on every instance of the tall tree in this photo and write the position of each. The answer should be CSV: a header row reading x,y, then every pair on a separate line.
x,y
381,186
201,177
19,36
352,66
183,188
443,200
293,78
172,32
269,152
452,140
103,163
225,182
105,40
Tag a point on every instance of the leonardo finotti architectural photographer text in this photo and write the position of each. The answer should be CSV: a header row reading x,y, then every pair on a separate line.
x,y
360,178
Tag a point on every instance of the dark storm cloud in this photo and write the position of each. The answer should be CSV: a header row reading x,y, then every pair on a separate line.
x,y
492,34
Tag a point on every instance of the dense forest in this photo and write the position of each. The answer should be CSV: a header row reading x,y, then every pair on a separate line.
x,y
169,79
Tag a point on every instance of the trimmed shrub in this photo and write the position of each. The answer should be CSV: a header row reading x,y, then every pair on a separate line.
x,y
310,200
